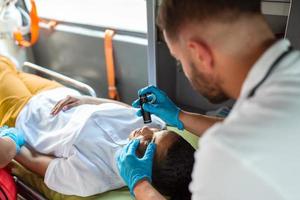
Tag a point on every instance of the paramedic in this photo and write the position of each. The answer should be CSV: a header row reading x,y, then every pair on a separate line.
x,y
228,50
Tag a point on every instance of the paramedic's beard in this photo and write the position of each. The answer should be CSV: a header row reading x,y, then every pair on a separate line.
x,y
206,86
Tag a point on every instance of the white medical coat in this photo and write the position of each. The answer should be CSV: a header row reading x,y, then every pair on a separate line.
x,y
255,152
84,139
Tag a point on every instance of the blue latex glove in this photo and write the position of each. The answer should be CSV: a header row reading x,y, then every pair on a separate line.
x,y
162,107
3,128
133,169
15,134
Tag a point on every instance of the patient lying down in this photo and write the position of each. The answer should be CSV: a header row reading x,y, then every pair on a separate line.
x,y
72,140
83,142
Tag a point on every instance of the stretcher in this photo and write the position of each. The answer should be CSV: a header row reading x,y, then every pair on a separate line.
x,y
32,187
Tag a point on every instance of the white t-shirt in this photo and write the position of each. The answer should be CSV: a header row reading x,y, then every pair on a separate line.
x,y
84,139
255,152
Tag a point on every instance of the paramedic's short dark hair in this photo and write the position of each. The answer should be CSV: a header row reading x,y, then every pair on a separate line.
x,y
174,13
172,174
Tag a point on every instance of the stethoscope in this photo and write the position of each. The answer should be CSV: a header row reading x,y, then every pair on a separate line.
x,y
271,69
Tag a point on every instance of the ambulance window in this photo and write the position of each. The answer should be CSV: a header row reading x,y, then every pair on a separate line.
x,y
129,15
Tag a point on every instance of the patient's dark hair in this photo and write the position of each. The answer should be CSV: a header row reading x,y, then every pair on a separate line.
x,y
172,174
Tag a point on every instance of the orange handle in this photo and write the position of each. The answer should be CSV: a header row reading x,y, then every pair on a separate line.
x,y
110,67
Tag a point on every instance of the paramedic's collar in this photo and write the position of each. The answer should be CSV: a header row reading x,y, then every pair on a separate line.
x,y
262,65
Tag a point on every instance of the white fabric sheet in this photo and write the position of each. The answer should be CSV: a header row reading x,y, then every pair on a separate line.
x,y
85,140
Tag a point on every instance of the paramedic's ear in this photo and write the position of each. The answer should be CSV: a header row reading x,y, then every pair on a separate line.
x,y
201,54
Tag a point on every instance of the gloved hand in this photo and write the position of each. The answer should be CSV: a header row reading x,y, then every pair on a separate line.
x,y
15,134
3,128
162,107
133,169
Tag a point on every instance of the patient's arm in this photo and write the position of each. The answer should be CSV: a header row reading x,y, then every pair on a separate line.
x,y
34,161
73,101
7,151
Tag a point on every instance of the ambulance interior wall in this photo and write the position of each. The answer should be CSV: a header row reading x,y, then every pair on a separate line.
x,y
81,56
293,29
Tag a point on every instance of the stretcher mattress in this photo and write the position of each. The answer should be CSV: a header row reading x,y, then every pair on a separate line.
x,y
36,182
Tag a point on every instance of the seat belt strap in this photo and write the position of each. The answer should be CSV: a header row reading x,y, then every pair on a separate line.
x,y
110,67
34,28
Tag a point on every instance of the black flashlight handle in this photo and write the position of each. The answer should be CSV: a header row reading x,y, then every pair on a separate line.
x,y
146,115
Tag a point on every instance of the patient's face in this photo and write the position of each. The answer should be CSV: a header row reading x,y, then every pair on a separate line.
x,y
162,138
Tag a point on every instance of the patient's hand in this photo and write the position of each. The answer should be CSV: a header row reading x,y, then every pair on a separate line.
x,y
70,102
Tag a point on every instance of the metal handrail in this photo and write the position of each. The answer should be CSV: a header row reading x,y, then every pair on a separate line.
x,y
26,192
60,77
